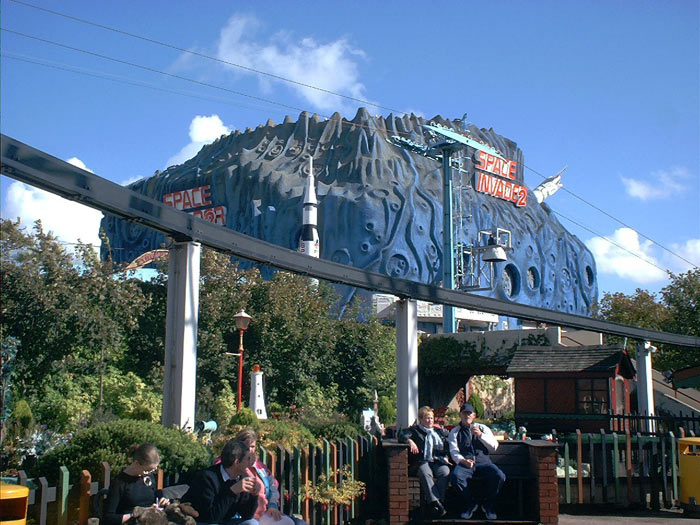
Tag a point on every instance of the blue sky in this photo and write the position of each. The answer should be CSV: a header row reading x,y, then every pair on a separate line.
x,y
609,88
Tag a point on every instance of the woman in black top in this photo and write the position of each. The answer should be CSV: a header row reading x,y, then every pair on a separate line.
x,y
135,486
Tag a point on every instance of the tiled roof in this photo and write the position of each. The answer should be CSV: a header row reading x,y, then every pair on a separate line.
x,y
603,358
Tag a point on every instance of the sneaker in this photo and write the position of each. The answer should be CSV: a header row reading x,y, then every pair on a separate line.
x,y
490,514
438,510
467,514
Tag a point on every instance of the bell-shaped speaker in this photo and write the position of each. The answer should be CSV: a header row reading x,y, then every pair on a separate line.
x,y
494,253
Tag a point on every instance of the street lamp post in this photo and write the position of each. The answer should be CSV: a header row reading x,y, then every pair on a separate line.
x,y
242,321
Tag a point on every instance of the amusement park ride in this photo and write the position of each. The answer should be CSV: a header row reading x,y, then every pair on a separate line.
x,y
471,266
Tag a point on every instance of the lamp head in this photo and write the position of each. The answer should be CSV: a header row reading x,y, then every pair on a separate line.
x,y
242,320
494,253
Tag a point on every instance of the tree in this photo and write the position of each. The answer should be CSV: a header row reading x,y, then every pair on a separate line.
x,y
682,300
678,312
639,309
70,314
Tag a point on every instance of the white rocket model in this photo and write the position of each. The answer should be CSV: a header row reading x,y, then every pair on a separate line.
x,y
257,396
309,234
548,187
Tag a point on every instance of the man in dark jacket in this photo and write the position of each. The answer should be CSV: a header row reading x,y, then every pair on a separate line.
x,y
222,494
429,460
470,445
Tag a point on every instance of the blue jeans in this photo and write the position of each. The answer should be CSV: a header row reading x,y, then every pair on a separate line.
x,y
488,473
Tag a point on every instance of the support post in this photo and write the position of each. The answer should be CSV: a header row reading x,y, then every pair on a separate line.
x,y
406,362
181,335
448,265
645,388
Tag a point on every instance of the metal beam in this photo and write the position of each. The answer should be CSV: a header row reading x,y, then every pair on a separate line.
x,y
27,164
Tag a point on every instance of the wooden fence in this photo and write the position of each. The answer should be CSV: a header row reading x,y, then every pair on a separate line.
x,y
68,503
623,469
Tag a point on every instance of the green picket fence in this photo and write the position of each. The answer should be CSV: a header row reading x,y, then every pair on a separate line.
x,y
72,502
619,468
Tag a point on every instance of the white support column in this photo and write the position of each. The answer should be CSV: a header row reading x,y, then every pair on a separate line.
x,y
181,335
645,388
406,362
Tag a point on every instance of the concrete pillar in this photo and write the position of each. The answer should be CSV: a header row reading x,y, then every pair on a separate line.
x,y
181,335
406,362
645,388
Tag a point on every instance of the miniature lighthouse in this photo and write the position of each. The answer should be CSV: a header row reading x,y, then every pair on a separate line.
x,y
309,234
257,396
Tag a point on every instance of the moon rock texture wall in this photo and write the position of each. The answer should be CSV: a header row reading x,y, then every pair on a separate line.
x,y
380,206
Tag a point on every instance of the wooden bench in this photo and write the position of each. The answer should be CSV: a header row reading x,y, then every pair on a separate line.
x,y
530,494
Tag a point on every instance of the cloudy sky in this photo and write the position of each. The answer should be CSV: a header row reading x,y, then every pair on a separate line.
x,y
609,89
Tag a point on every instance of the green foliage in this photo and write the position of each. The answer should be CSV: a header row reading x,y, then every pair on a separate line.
x,y
89,341
126,395
386,409
64,401
245,417
340,488
317,402
69,311
270,432
475,401
276,410
111,441
22,415
337,430
678,312
437,355
682,300
284,431
225,404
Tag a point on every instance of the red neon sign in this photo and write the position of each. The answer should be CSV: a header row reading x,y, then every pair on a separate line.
x,y
502,189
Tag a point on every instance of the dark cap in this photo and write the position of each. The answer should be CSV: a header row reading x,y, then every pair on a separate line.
x,y
466,407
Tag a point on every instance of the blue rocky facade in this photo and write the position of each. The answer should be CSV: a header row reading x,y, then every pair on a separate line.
x,y
380,205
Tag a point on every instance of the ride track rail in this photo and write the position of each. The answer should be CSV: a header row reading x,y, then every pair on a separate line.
x,y
37,168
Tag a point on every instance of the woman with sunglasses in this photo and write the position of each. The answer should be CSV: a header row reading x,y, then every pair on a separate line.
x,y
135,486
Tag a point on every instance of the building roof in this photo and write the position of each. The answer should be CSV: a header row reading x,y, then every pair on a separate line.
x,y
547,359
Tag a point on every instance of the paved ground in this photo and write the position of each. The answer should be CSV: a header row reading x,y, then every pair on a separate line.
x,y
670,517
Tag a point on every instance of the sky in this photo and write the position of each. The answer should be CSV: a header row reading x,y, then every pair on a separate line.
x,y
610,89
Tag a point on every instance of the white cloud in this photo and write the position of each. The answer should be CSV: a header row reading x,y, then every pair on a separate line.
x,y
68,220
203,131
665,183
131,180
75,161
640,266
331,66
689,250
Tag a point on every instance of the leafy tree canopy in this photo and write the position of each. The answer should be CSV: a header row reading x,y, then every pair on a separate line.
x,y
677,310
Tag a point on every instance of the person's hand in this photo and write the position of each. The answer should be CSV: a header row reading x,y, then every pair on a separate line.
x,y
469,463
274,513
476,430
163,502
244,485
414,447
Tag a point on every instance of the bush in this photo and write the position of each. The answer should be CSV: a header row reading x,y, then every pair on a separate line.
x,y
475,401
337,430
387,410
179,451
225,404
270,432
245,417
23,418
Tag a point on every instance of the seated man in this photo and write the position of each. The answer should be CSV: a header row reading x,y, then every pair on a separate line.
x,y
223,493
470,445
429,460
